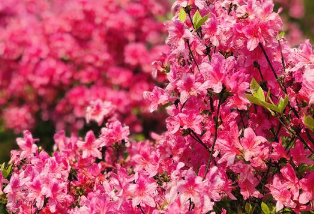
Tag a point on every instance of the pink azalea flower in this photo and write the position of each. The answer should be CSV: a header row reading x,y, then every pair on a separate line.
x,y
212,30
229,147
278,152
188,86
183,3
247,180
114,132
215,72
190,188
156,97
250,144
56,192
307,185
281,194
90,147
98,110
27,145
36,192
300,155
142,192
13,189
292,182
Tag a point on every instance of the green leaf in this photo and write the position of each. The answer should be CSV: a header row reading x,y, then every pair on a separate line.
x,y
196,18
248,208
139,137
201,22
256,101
265,208
257,90
309,122
283,104
182,15
258,98
268,95
281,34
6,171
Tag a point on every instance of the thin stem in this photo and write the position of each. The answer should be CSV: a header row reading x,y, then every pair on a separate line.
x,y
184,104
282,58
309,136
271,67
190,18
212,108
199,141
293,132
293,110
241,117
256,65
216,134
274,72
267,172
304,142
188,12
139,206
278,130
192,55
288,144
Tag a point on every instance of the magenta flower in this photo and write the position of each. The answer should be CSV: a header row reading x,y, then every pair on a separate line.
x,y
90,146
114,132
251,144
156,97
281,194
307,185
142,192
27,145
98,111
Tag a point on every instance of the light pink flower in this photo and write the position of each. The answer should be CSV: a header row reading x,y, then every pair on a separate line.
x,y
142,192
27,145
90,146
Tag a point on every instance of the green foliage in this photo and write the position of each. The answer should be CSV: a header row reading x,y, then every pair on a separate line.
x,y
258,98
6,170
198,20
182,15
265,208
281,34
309,122
248,208
257,91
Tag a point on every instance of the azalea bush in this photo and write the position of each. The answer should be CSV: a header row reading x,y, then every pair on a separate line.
x,y
58,57
239,136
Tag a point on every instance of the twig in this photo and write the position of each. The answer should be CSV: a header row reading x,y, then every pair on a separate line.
x,y
216,134
293,132
309,136
274,72
272,68
282,58
256,65
188,43
139,206
199,141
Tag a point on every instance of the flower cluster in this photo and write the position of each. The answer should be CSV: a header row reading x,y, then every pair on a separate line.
x,y
239,135
242,98
59,57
